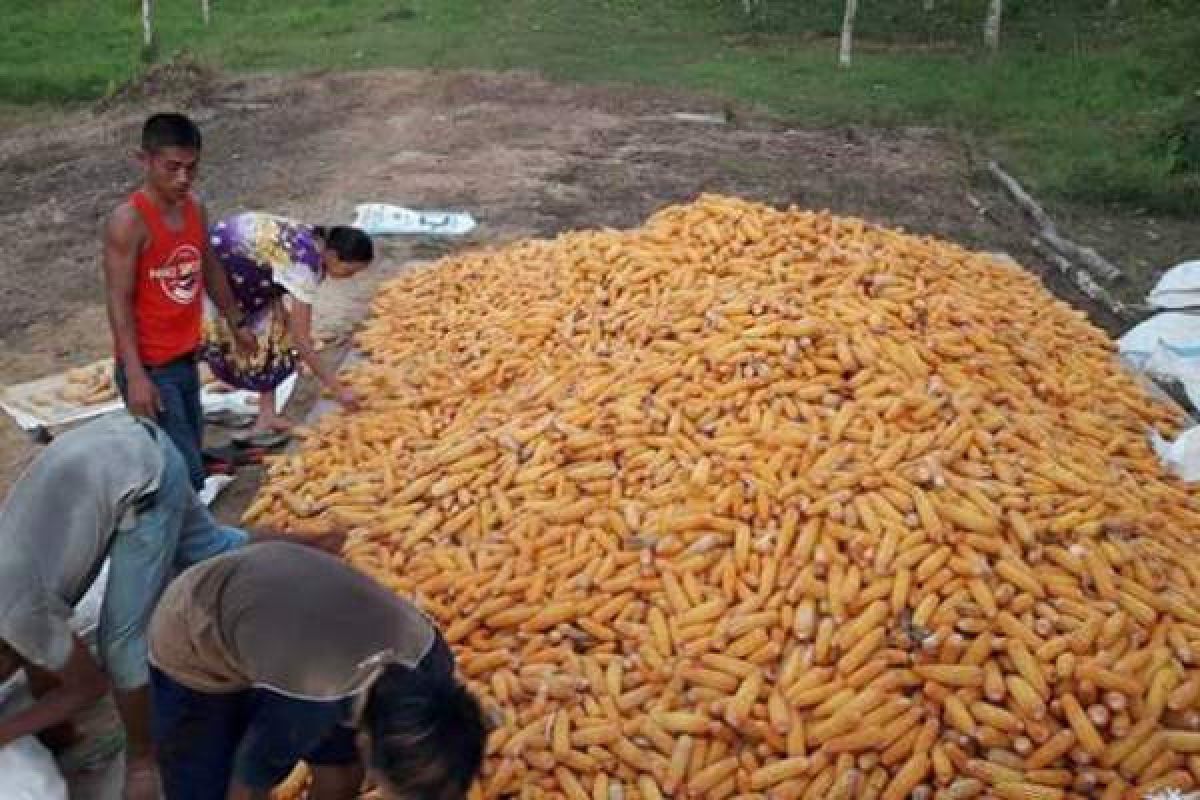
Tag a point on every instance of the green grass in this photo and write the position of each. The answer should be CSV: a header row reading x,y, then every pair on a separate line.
x,y
1081,104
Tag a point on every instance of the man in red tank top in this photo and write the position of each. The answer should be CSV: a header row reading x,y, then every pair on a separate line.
x,y
157,266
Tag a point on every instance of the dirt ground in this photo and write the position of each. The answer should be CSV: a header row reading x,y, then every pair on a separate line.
x,y
526,157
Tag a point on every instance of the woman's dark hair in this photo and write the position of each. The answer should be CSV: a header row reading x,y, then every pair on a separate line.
x,y
427,733
350,244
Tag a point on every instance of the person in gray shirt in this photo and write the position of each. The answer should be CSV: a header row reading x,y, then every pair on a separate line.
x,y
115,488
274,654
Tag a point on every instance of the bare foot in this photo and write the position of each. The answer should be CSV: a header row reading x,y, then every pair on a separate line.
x,y
273,423
142,781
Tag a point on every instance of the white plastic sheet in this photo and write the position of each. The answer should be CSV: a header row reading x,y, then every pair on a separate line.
x,y
1166,347
28,772
381,219
29,418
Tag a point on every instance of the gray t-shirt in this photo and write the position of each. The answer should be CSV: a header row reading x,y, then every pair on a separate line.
x,y
283,617
57,523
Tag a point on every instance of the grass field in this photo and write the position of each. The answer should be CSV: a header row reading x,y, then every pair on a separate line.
x,y
1084,104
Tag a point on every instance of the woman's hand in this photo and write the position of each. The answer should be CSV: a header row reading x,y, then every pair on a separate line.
x,y
246,342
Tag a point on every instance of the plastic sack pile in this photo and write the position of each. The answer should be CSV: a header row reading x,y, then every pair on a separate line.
x,y
1167,348
772,504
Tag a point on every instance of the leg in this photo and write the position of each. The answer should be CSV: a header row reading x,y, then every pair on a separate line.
x,y
269,419
202,537
266,410
189,383
141,772
196,736
182,416
141,562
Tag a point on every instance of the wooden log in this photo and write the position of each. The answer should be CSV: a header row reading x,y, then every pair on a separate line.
x,y
1100,267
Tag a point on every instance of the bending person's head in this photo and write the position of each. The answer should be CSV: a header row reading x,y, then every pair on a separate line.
x,y
348,250
425,735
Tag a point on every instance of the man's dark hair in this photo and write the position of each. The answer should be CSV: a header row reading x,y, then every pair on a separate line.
x,y
170,130
350,244
427,733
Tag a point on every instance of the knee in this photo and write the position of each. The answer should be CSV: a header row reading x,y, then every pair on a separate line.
x,y
124,655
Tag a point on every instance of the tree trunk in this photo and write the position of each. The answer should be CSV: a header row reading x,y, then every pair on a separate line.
x,y
844,52
991,26
148,23
205,11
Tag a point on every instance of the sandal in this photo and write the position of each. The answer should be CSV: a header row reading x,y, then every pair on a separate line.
x,y
229,419
268,440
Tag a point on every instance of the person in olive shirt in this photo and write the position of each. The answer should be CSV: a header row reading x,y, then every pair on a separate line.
x,y
274,653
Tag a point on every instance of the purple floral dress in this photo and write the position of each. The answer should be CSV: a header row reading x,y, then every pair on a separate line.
x,y
265,258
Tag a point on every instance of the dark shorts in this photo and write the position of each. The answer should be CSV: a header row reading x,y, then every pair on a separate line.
x,y
205,740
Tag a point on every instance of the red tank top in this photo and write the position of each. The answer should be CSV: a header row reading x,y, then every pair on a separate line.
x,y
168,305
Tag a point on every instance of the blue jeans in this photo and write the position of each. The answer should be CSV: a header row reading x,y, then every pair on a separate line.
x,y
174,531
182,416
206,740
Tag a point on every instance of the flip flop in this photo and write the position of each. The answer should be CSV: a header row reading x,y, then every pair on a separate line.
x,y
229,419
265,439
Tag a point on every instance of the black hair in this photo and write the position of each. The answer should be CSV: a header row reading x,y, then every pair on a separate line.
x,y
170,130
427,733
350,244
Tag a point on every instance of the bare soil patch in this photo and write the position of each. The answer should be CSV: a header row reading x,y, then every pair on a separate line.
x,y
527,157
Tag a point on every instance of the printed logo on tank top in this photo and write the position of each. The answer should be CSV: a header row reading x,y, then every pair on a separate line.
x,y
179,277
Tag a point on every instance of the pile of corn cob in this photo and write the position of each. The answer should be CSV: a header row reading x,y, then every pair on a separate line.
x,y
772,504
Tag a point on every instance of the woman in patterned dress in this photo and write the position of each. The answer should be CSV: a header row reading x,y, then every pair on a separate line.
x,y
274,267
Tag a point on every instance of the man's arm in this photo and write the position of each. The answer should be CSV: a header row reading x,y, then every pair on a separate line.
x,y
81,684
281,731
123,238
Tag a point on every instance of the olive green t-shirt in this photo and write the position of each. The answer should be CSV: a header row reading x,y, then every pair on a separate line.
x,y
287,618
